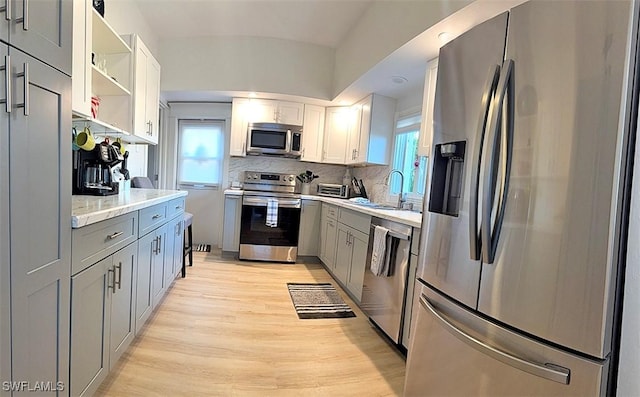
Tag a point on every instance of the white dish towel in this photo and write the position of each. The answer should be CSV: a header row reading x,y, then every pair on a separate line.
x,y
378,255
272,213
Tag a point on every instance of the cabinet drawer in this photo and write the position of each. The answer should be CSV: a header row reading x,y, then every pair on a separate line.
x,y
94,242
175,207
355,219
152,217
329,211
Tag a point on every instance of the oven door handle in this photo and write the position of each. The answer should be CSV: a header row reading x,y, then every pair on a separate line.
x,y
262,202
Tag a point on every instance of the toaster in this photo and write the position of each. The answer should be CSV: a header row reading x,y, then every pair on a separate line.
x,y
333,190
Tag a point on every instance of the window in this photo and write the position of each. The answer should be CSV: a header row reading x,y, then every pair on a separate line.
x,y
200,152
406,158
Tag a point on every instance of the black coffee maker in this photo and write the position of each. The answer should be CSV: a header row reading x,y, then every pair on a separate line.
x,y
92,170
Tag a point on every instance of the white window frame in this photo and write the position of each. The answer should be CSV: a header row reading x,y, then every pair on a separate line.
x,y
411,197
192,185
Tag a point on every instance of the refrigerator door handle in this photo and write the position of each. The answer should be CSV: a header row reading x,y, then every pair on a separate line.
x,y
490,233
487,96
549,371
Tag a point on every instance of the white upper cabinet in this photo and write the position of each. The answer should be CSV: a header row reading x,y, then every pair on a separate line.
x,y
81,66
239,121
101,69
272,111
312,133
371,134
336,133
428,99
146,94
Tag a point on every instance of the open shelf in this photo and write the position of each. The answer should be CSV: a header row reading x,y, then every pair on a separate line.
x,y
106,85
105,39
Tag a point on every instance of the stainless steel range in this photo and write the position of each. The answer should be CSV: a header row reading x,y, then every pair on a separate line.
x,y
270,218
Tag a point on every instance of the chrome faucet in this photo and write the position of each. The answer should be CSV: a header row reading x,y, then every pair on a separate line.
x,y
400,196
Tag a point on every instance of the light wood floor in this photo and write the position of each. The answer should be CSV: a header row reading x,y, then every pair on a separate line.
x,y
230,329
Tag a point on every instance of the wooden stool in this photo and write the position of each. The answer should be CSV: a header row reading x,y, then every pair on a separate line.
x,y
188,242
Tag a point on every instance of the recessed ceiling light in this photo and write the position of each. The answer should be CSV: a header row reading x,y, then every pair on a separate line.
x,y
445,37
399,79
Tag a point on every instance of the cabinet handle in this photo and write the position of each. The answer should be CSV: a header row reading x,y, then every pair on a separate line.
x,y
111,273
159,244
178,207
25,15
25,18
114,235
25,74
7,10
154,249
119,282
7,80
156,216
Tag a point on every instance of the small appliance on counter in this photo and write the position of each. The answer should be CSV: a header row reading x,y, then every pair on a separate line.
x,y
93,170
333,190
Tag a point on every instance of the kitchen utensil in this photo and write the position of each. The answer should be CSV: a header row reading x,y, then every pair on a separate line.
x,y
356,187
85,140
363,191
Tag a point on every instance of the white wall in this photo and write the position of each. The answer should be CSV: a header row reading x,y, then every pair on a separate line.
x,y
246,64
385,27
125,17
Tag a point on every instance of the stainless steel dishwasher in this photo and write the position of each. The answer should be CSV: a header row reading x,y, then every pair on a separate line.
x,y
383,297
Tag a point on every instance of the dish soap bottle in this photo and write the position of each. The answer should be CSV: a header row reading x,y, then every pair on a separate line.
x,y
346,179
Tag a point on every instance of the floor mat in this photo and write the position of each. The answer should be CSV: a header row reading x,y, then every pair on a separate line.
x,y
318,301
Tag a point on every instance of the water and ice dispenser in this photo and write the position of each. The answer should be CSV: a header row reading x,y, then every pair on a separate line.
x,y
447,178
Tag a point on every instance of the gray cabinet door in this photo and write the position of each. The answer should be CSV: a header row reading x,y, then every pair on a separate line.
x,y
44,32
343,254
329,244
40,207
157,266
122,328
170,252
90,327
178,250
231,226
309,228
146,248
5,324
358,243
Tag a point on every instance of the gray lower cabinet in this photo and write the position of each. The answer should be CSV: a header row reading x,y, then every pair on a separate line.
x,y
158,285
174,249
411,284
39,200
308,236
101,318
351,255
344,238
328,235
147,252
231,225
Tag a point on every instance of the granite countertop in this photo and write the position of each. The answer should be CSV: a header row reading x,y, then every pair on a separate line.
x,y
86,210
411,218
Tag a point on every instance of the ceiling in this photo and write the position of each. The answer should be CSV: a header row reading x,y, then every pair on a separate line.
x,y
322,22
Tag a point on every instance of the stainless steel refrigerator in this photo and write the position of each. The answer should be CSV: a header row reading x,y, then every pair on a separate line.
x,y
520,250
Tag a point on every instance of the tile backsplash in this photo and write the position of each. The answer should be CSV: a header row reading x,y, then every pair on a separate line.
x,y
328,173
372,176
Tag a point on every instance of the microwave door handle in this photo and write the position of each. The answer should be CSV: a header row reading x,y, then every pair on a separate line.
x,y
287,147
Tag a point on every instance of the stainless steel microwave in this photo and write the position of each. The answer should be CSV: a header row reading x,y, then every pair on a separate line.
x,y
283,140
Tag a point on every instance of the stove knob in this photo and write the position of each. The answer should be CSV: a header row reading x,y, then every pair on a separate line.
x,y
291,179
